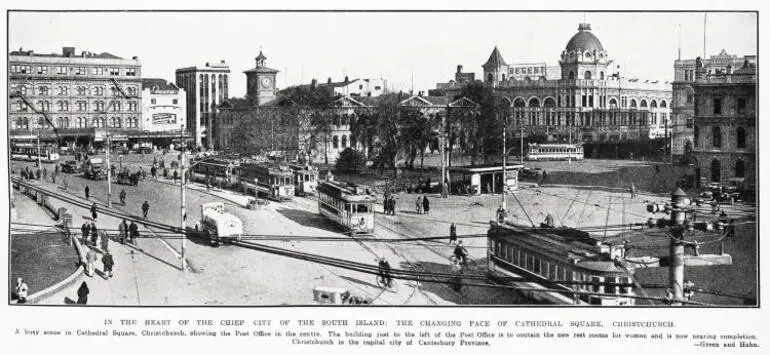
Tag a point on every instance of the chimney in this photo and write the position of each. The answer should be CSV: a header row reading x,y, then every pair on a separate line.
x,y
329,81
313,83
698,68
346,79
208,64
459,69
68,51
135,58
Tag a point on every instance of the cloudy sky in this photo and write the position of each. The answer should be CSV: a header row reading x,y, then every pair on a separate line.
x,y
397,46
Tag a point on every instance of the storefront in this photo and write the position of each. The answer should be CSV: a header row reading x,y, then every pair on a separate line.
x,y
484,179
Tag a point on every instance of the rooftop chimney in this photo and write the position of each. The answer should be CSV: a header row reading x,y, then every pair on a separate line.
x,y
459,69
329,81
68,51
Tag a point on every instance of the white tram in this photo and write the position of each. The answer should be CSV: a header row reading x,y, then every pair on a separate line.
x,y
305,179
214,170
267,180
558,151
348,205
218,225
549,255
30,152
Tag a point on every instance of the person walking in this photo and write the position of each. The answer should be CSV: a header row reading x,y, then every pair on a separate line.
x,y
105,242
154,172
133,232
54,175
56,169
83,292
426,204
461,253
633,190
108,263
145,209
94,215
85,228
88,193
94,234
122,197
91,257
45,173
122,231
20,291
452,233
418,204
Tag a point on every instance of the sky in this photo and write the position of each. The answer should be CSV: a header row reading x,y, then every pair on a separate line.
x,y
414,49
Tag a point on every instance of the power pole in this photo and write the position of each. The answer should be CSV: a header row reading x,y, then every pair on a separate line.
x,y
442,148
505,177
39,159
521,142
109,170
183,214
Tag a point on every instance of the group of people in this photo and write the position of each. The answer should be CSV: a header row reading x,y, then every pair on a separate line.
x,y
423,205
389,205
128,232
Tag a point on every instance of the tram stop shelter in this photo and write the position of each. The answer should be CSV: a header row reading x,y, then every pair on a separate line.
x,y
484,179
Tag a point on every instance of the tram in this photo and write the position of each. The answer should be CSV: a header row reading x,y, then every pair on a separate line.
x,y
545,255
29,152
223,172
267,180
348,205
305,179
558,151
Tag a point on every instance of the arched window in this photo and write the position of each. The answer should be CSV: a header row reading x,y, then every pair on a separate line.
x,y
518,103
571,75
490,78
716,173
344,141
716,134
587,75
663,104
643,104
601,75
549,102
740,169
534,102
653,104
613,103
335,142
633,103
740,136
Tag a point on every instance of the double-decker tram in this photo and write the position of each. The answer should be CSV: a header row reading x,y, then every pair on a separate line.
x,y
557,151
548,256
305,179
30,152
275,182
348,205
219,171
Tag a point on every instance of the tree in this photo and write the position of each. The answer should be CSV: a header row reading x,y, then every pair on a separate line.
x,y
478,132
388,142
350,160
418,130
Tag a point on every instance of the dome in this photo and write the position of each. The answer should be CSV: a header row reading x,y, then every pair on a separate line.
x,y
585,40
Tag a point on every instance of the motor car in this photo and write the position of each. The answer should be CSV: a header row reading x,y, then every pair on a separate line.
x,y
71,166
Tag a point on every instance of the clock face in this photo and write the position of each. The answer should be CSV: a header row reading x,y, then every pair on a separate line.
x,y
266,82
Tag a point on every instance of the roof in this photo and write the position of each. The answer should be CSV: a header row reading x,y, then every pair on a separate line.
x,y
83,54
157,84
495,59
584,40
262,70
748,68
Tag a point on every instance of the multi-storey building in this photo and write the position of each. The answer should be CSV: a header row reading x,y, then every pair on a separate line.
x,y
682,104
163,107
83,96
724,130
586,99
206,88
358,87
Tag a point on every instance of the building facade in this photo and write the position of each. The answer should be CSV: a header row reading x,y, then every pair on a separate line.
x,y
82,95
358,87
586,99
206,88
682,104
724,130
163,107
260,82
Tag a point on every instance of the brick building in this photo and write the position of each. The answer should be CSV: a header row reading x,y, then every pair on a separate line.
x,y
206,88
724,132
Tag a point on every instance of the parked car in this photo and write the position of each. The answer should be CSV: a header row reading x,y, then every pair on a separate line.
x,y
71,166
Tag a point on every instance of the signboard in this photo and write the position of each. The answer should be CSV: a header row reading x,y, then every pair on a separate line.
x,y
521,71
99,136
164,118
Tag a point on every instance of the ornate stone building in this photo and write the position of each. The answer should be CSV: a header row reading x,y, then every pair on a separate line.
x,y
84,95
724,132
589,100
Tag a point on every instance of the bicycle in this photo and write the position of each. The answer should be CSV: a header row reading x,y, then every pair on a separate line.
x,y
381,283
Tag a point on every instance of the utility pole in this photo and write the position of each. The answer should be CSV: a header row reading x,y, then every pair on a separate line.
x,y
109,171
443,143
676,247
39,159
521,141
183,214
505,176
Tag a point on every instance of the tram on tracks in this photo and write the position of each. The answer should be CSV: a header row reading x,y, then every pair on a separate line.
x,y
272,181
555,151
549,255
219,171
305,179
348,205
30,152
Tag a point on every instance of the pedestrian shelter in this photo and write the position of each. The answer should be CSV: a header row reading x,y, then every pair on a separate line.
x,y
484,179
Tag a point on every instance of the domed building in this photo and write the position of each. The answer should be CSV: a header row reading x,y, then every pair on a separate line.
x,y
585,99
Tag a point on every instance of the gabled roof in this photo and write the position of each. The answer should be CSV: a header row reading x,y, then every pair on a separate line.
x,y
463,102
157,84
495,60
347,101
417,100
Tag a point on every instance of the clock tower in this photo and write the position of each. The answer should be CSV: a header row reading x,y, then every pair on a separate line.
x,y
260,81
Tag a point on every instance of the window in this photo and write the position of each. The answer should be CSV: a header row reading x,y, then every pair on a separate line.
x,y
131,72
717,106
377,88
42,70
63,105
689,122
63,122
114,71
175,101
131,91
43,90
716,168
99,106
132,106
741,106
335,142
44,106
740,169
64,91
98,71
587,75
81,90
344,141
82,106
115,106
571,75
81,71
82,122
716,134
99,90
740,137
61,70
153,101
21,106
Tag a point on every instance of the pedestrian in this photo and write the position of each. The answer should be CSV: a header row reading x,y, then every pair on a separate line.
x,y
426,204
633,190
392,205
549,223
85,229
94,215
122,197
461,253
112,170
88,193
37,174
53,176
105,241
153,172
165,173
123,230
56,169
23,175
108,263
145,209
176,175
418,204
45,173
427,184
91,257
133,233
29,172
83,293
20,291
94,234
452,233
545,177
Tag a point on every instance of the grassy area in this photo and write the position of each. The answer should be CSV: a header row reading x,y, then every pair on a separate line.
x,y
42,259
